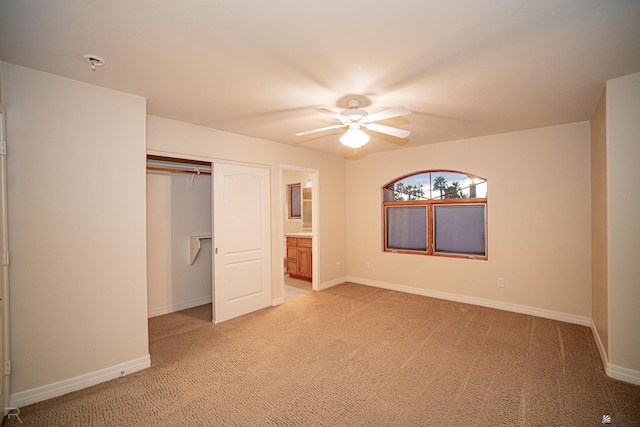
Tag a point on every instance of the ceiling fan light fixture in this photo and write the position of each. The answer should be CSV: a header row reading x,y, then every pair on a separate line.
x,y
354,138
355,119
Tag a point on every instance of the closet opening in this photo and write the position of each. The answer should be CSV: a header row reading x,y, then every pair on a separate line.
x,y
179,243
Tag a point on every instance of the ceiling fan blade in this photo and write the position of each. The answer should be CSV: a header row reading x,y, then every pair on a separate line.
x,y
332,113
307,132
400,133
386,114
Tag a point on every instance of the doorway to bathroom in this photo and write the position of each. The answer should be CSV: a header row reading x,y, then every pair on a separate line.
x,y
299,226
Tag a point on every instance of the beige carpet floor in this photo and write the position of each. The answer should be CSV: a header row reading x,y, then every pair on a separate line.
x,y
356,356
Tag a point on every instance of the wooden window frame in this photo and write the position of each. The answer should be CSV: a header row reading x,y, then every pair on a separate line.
x,y
430,203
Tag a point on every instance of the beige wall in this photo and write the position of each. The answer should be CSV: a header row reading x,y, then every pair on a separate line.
x,y
183,139
599,294
76,156
623,175
538,219
176,211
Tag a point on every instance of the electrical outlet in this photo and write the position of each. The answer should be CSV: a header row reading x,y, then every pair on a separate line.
x,y
338,264
501,282
367,265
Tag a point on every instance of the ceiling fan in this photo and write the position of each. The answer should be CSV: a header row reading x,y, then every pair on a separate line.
x,y
354,118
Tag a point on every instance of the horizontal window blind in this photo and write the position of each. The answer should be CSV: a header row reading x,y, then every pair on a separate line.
x,y
460,229
407,227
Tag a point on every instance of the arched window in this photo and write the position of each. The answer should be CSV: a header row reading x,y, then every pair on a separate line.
x,y
436,212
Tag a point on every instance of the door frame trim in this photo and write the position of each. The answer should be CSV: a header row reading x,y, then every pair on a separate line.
x,y
5,357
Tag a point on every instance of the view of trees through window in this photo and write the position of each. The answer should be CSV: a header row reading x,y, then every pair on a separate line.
x,y
437,185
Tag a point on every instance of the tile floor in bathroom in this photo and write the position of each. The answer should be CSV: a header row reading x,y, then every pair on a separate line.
x,y
293,287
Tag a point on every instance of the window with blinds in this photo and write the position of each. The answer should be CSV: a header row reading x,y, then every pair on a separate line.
x,y
436,212
407,228
460,229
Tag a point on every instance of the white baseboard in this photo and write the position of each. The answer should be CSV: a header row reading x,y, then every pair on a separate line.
x,y
622,374
171,308
600,345
483,302
614,371
49,391
331,283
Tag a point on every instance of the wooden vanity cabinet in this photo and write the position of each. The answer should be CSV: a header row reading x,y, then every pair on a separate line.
x,y
299,257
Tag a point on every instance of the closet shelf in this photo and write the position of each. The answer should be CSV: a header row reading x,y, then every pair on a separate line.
x,y
194,246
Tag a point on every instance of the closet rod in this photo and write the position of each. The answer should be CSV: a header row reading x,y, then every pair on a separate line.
x,y
177,170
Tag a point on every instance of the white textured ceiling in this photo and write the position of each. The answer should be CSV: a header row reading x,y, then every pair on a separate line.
x,y
260,68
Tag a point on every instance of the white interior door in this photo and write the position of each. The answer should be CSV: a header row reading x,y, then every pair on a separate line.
x,y
241,240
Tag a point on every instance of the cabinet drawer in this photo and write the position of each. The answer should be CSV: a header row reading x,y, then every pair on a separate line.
x,y
304,242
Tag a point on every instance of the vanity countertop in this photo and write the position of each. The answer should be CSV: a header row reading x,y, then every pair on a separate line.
x,y
300,234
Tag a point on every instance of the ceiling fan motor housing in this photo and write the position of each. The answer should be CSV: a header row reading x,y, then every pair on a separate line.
x,y
353,115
